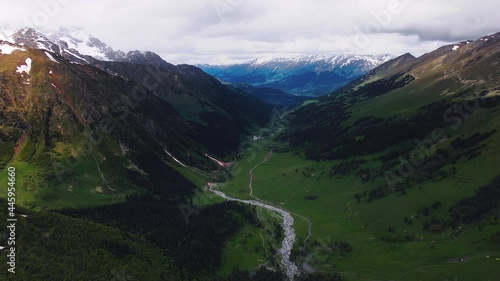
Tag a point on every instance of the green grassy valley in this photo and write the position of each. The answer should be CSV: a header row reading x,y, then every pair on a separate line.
x,y
376,231
400,183
107,176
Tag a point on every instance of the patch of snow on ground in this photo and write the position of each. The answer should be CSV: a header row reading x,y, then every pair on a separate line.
x,y
220,163
175,159
41,46
25,68
51,57
455,48
76,56
8,49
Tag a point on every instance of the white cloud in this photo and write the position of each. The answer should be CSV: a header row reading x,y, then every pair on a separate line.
x,y
198,31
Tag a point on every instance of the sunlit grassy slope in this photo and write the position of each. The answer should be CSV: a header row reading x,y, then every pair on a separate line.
x,y
401,233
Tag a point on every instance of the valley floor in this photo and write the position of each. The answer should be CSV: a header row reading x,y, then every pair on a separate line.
x,y
306,189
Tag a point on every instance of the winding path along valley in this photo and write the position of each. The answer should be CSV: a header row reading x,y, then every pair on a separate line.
x,y
285,251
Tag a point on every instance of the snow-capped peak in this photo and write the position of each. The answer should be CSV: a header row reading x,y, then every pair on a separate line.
x,y
299,75
73,43
332,61
75,38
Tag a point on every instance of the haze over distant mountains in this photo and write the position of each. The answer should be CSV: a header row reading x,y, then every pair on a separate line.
x,y
313,75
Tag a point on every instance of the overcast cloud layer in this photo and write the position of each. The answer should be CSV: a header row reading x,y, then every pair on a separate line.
x,y
221,31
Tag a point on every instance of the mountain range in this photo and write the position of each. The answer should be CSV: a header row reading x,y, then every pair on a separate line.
x,y
139,106
303,75
390,170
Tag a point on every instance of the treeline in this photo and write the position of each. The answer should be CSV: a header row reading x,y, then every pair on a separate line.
x,y
382,86
345,168
467,210
470,209
323,137
466,142
318,129
462,147
51,246
382,134
193,236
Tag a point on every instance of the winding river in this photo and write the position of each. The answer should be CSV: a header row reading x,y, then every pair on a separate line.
x,y
285,251
289,267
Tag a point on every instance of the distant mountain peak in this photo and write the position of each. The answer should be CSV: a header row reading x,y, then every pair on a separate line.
x,y
77,45
333,59
78,39
308,75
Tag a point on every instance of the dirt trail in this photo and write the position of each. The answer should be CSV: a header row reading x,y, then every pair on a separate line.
x,y
252,177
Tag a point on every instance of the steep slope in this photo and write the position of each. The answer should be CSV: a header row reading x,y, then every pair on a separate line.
x,y
400,89
219,115
305,76
208,105
392,67
64,120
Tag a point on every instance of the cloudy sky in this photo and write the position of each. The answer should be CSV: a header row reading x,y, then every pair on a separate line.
x,y
223,31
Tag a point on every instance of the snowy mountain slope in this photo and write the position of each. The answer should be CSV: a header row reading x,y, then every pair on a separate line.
x,y
86,44
78,46
75,44
304,75
31,38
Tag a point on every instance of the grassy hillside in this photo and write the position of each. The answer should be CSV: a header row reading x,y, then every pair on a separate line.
x,y
397,173
385,244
